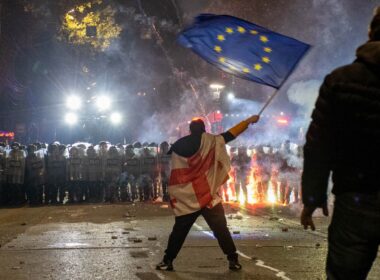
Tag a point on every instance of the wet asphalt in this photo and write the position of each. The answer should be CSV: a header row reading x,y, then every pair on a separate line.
x,y
126,241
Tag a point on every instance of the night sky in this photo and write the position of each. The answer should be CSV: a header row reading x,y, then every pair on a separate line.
x,y
153,81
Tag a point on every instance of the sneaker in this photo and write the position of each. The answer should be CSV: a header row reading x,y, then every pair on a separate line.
x,y
165,265
234,265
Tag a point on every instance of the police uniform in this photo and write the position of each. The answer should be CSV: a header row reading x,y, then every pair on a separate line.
x,y
15,170
34,176
113,172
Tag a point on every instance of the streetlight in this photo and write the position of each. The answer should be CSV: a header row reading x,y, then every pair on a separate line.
x,y
217,86
103,102
73,102
116,118
71,118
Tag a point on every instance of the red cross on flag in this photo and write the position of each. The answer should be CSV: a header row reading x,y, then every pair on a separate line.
x,y
195,182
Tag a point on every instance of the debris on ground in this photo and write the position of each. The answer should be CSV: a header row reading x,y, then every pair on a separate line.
x,y
317,245
236,232
288,247
128,215
125,232
273,219
23,224
164,206
16,267
114,237
134,239
152,238
236,216
284,229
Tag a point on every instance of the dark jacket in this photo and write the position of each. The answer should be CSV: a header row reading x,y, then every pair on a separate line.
x,y
344,135
187,146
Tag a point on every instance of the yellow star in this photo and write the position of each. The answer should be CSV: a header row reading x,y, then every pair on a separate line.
x,y
254,32
258,67
221,37
222,59
266,59
229,30
246,70
268,50
264,39
241,29
217,49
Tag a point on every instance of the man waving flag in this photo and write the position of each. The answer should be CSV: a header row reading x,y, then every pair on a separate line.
x,y
243,49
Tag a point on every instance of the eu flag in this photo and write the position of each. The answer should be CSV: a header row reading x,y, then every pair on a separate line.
x,y
243,49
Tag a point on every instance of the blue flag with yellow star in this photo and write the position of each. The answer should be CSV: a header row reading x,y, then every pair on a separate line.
x,y
243,49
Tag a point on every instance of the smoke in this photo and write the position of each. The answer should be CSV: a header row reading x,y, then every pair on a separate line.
x,y
173,120
304,94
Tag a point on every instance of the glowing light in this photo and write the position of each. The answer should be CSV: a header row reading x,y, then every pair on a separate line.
x,y
271,195
71,118
73,102
103,103
231,96
116,118
282,121
216,86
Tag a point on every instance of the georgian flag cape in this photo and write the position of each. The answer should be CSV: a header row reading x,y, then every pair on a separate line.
x,y
195,181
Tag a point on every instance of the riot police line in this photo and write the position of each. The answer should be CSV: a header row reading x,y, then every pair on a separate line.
x,y
58,174
265,173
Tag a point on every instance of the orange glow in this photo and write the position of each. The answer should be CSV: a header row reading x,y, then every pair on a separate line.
x,y
282,121
7,134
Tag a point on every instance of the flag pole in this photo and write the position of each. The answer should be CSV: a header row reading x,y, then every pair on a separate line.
x,y
268,101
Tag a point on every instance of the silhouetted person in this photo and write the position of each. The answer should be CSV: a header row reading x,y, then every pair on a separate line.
x,y
347,115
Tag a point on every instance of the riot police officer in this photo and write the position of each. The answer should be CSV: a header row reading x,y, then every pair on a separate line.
x,y
15,170
132,167
148,171
242,166
34,176
56,173
93,175
75,175
103,155
113,172
164,172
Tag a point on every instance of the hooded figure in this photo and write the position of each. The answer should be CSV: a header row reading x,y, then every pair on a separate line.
x,y
347,115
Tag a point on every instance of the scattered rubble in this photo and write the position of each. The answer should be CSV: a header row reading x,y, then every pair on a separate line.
x,y
128,215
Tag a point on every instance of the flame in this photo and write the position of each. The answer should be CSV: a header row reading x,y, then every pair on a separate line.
x,y
272,197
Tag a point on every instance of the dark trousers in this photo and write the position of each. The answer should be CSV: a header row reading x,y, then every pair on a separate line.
x,y
354,236
216,221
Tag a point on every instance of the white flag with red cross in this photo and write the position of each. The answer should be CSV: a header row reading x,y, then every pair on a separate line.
x,y
195,182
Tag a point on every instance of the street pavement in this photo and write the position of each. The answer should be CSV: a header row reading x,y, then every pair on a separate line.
x,y
126,241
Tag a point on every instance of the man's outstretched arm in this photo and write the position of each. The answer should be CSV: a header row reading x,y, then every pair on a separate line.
x,y
238,129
